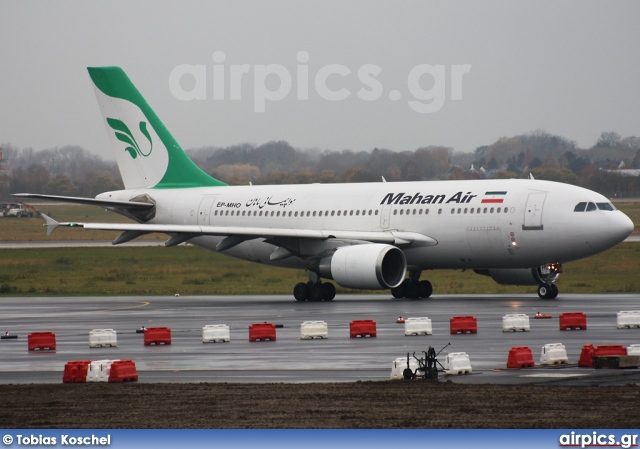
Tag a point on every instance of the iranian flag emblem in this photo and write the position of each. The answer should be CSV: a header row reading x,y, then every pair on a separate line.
x,y
493,197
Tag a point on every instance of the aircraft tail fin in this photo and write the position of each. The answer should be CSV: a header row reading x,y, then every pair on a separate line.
x,y
147,154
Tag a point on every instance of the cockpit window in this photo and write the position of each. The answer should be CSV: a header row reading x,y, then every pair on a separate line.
x,y
584,206
605,206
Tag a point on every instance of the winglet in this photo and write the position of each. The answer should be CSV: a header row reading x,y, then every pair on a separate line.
x,y
51,224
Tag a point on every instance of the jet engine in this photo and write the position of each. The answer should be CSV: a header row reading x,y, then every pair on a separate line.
x,y
545,274
366,266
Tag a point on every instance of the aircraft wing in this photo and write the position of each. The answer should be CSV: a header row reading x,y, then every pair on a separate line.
x,y
237,234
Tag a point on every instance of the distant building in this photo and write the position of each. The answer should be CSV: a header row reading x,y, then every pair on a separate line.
x,y
625,172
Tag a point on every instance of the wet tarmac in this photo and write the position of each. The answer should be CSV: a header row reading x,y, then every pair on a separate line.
x,y
290,359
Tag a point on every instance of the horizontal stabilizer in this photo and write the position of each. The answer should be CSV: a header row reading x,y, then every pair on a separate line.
x,y
128,205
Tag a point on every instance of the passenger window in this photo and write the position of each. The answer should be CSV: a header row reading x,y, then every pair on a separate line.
x,y
591,207
395,212
605,206
580,207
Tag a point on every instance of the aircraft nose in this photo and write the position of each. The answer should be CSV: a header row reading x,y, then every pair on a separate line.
x,y
620,226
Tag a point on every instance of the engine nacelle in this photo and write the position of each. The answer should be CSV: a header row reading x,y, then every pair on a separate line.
x,y
545,274
366,266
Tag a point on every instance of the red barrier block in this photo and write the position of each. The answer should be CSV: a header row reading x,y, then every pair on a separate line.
x,y
157,335
604,350
262,332
520,357
573,320
41,340
586,356
123,371
76,371
362,328
463,324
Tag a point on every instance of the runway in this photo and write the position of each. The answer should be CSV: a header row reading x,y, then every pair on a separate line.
x,y
289,359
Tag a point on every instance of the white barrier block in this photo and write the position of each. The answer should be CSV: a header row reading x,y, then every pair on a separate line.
x,y
99,338
418,326
515,322
629,319
633,350
313,329
457,363
400,364
553,354
99,370
213,333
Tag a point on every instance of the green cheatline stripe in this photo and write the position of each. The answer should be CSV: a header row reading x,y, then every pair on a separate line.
x,y
495,193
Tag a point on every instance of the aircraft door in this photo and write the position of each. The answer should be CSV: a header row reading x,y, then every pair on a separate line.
x,y
385,217
204,210
533,212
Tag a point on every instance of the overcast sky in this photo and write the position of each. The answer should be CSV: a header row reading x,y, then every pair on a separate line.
x,y
397,75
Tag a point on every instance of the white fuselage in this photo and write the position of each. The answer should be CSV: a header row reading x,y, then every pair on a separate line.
x,y
477,224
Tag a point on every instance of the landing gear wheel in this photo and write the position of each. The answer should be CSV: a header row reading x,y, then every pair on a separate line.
x,y
399,291
328,291
426,289
547,291
315,292
301,292
412,289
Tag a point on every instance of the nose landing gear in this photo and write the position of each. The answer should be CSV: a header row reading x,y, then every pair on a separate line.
x,y
548,291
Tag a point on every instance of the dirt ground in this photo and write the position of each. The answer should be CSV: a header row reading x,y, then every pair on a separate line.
x,y
390,404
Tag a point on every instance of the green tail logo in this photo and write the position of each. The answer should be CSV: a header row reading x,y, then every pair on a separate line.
x,y
123,134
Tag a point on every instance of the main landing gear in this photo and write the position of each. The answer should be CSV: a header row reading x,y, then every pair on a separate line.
x,y
413,288
548,291
314,290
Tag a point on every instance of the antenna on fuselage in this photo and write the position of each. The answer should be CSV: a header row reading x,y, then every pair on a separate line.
x,y
531,177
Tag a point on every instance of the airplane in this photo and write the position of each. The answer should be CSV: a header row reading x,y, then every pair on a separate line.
x,y
361,235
